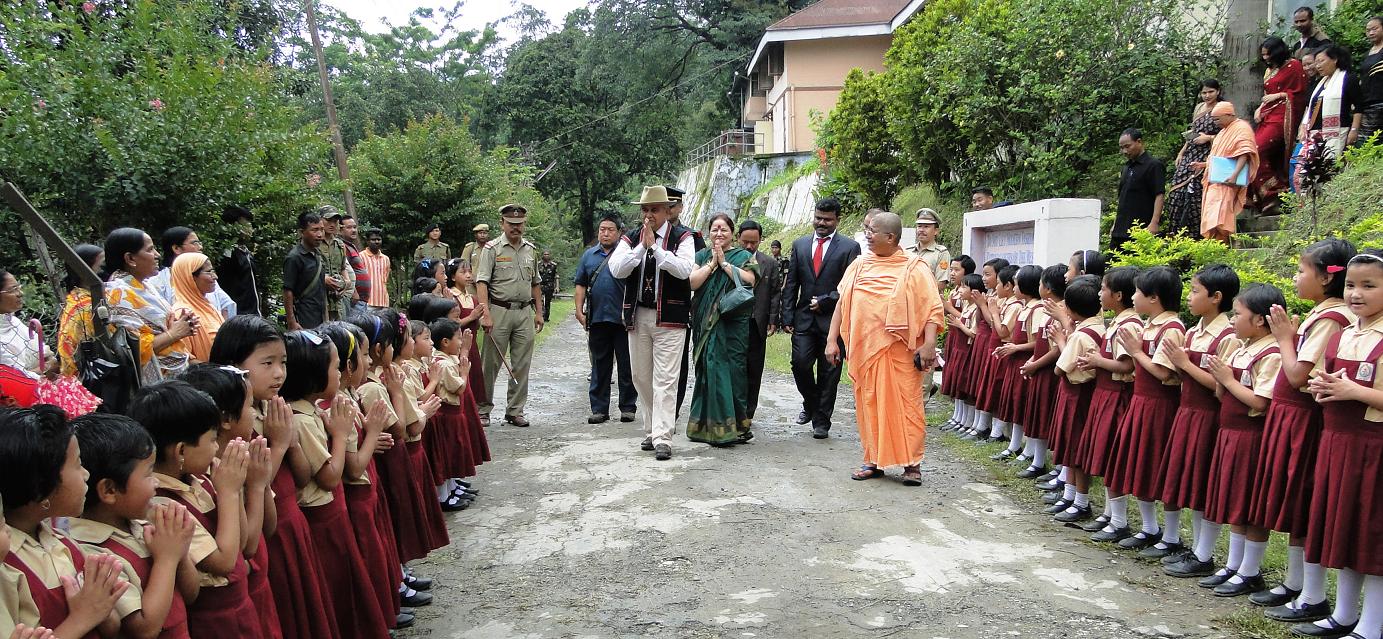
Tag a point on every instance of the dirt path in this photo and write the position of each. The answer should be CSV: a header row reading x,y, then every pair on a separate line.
x,y
580,534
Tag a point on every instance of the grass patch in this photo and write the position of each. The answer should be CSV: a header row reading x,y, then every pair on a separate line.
x,y
1249,621
778,356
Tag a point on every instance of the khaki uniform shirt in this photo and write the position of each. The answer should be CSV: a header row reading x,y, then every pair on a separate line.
x,y
1263,375
430,251
1111,337
312,439
1169,337
1311,345
937,257
89,536
449,383
1078,345
203,540
1356,342
511,273
471,253
413,388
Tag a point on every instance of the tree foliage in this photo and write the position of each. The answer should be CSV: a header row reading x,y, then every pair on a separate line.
x,y
869,158
1029,97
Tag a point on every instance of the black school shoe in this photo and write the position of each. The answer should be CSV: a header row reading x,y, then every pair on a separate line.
x,y
1334,630
1111,536
1003,455
1097,524
1248,585
1053,484
1053,496
1215,579
1270,599
1190,567
1140,540
1304,614
1160,550
1058,506
1031,472
417,583
1068,516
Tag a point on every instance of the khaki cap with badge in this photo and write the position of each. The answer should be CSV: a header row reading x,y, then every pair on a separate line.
x,y
928,216
513,214
481,227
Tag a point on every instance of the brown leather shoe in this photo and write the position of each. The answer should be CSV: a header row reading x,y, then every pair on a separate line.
x,y
516,420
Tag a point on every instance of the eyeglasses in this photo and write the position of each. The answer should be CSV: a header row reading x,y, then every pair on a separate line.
x,y
13,290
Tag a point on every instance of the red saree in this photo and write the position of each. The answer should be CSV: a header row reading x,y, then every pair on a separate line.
x,y
1277,124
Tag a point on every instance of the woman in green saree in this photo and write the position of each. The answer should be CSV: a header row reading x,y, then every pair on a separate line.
x,y
720,407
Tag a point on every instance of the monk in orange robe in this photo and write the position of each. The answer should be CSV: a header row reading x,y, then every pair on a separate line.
x,y
1223,201
888,315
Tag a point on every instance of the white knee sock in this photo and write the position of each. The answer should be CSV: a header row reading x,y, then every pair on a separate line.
x,y
1371,619
1171,527
1061,475
1015,439
1312,584
1027,444
1105,512
1118,512
1253,558
1082,500
1296,562
1147,511
1069,492
1206,539
1348,586
1236,551
1197,521
1039,453
997,428
983,421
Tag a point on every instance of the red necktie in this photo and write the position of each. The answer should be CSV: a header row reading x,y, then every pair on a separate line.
x,y
816,255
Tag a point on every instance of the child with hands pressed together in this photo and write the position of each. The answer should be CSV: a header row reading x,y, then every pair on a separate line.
x,y
456,457
313,375
296,583
1040,375
985,367
224,495
1292,432
49,584
1185,469
1081,300
1113,369
1013,330
956,346
957,381
151,542
1345,513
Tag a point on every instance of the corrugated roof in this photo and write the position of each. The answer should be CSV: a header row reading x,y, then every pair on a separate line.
x,y
841,13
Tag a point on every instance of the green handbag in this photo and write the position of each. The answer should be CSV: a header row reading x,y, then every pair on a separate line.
x,y
738,301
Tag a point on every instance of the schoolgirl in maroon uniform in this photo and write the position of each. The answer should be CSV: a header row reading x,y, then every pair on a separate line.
x,y
1013,404
956,348
151,541
1246,380
1292,433
184,423
297,585
960,378
1346,509
1113,386
313,375
1039,370
1146,424
985,341
1081,306
1002,312
43,479
1185,469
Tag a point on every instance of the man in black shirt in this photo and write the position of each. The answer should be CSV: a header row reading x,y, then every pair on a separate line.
x,y
304,270
1312,38
1142,187
236,270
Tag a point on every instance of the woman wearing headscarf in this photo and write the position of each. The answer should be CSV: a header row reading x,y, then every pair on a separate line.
x,y
74,325
1284,95
1224,197
192,278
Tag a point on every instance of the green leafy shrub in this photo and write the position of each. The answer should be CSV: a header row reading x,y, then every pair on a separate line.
x,y
868,157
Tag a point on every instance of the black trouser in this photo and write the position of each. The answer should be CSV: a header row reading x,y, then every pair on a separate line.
x,y
547,306
682,374
609,346
755,369
817,387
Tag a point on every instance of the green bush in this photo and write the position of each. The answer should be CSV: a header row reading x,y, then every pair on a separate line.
x,y
868,158
1349,206
952,212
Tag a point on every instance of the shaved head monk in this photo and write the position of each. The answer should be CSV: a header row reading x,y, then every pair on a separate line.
x,y
888,288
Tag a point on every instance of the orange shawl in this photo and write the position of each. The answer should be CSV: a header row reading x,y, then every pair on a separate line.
x,y
1223,202
187,295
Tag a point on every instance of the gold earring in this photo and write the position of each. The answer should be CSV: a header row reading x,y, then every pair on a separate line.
x,y
46,504
180,464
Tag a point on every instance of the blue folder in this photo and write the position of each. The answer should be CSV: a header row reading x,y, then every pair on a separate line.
x,y
1221,168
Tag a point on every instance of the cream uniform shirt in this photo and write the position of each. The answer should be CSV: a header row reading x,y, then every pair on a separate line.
x,y
312,439
91,534
1203,335
1356,342
1261,377
1078,345
203,541
1314,334
1169,336
1127,319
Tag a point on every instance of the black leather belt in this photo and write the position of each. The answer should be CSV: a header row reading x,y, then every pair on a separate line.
x,y
513,306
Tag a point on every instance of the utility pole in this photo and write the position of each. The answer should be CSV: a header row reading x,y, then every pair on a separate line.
x,y
333,126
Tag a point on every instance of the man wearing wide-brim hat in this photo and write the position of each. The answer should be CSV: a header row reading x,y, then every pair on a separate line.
x,y
935,254
471,251
506,285
655,261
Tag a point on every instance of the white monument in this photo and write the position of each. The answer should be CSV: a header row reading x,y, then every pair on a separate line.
x,y
1044,232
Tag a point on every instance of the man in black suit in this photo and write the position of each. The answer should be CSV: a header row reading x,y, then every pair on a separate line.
x,y
809,298
677,196
767,304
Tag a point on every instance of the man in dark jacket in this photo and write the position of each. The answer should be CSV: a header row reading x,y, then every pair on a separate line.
x,y
236,269
809,298
768,305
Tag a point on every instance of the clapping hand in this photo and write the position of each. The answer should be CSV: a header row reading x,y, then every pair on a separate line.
x,y
260,463
1178,355
1130,340
168,534
229,470
1220,370
341,417
91,597
278,424
1283,326
1333,387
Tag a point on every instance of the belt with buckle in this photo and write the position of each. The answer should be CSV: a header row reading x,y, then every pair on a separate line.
x,y
513,306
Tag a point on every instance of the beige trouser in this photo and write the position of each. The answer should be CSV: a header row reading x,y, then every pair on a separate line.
x,y
513,333
655,356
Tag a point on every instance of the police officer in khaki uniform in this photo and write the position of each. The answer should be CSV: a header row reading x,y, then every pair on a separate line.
x,y
434,249
937,256
471,251
507,287
341,283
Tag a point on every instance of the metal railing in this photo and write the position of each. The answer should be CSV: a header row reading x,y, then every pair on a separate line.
x,y
729,142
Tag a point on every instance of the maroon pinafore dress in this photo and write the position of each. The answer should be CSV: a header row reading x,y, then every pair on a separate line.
x,y
221,612
1013,401
448,444
51,602
175,624
1107,403
1185,466
1346,515
1234,465
1143,430
299,589
1070,412
374,535
1041,389
955,350
1291,438
988,382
